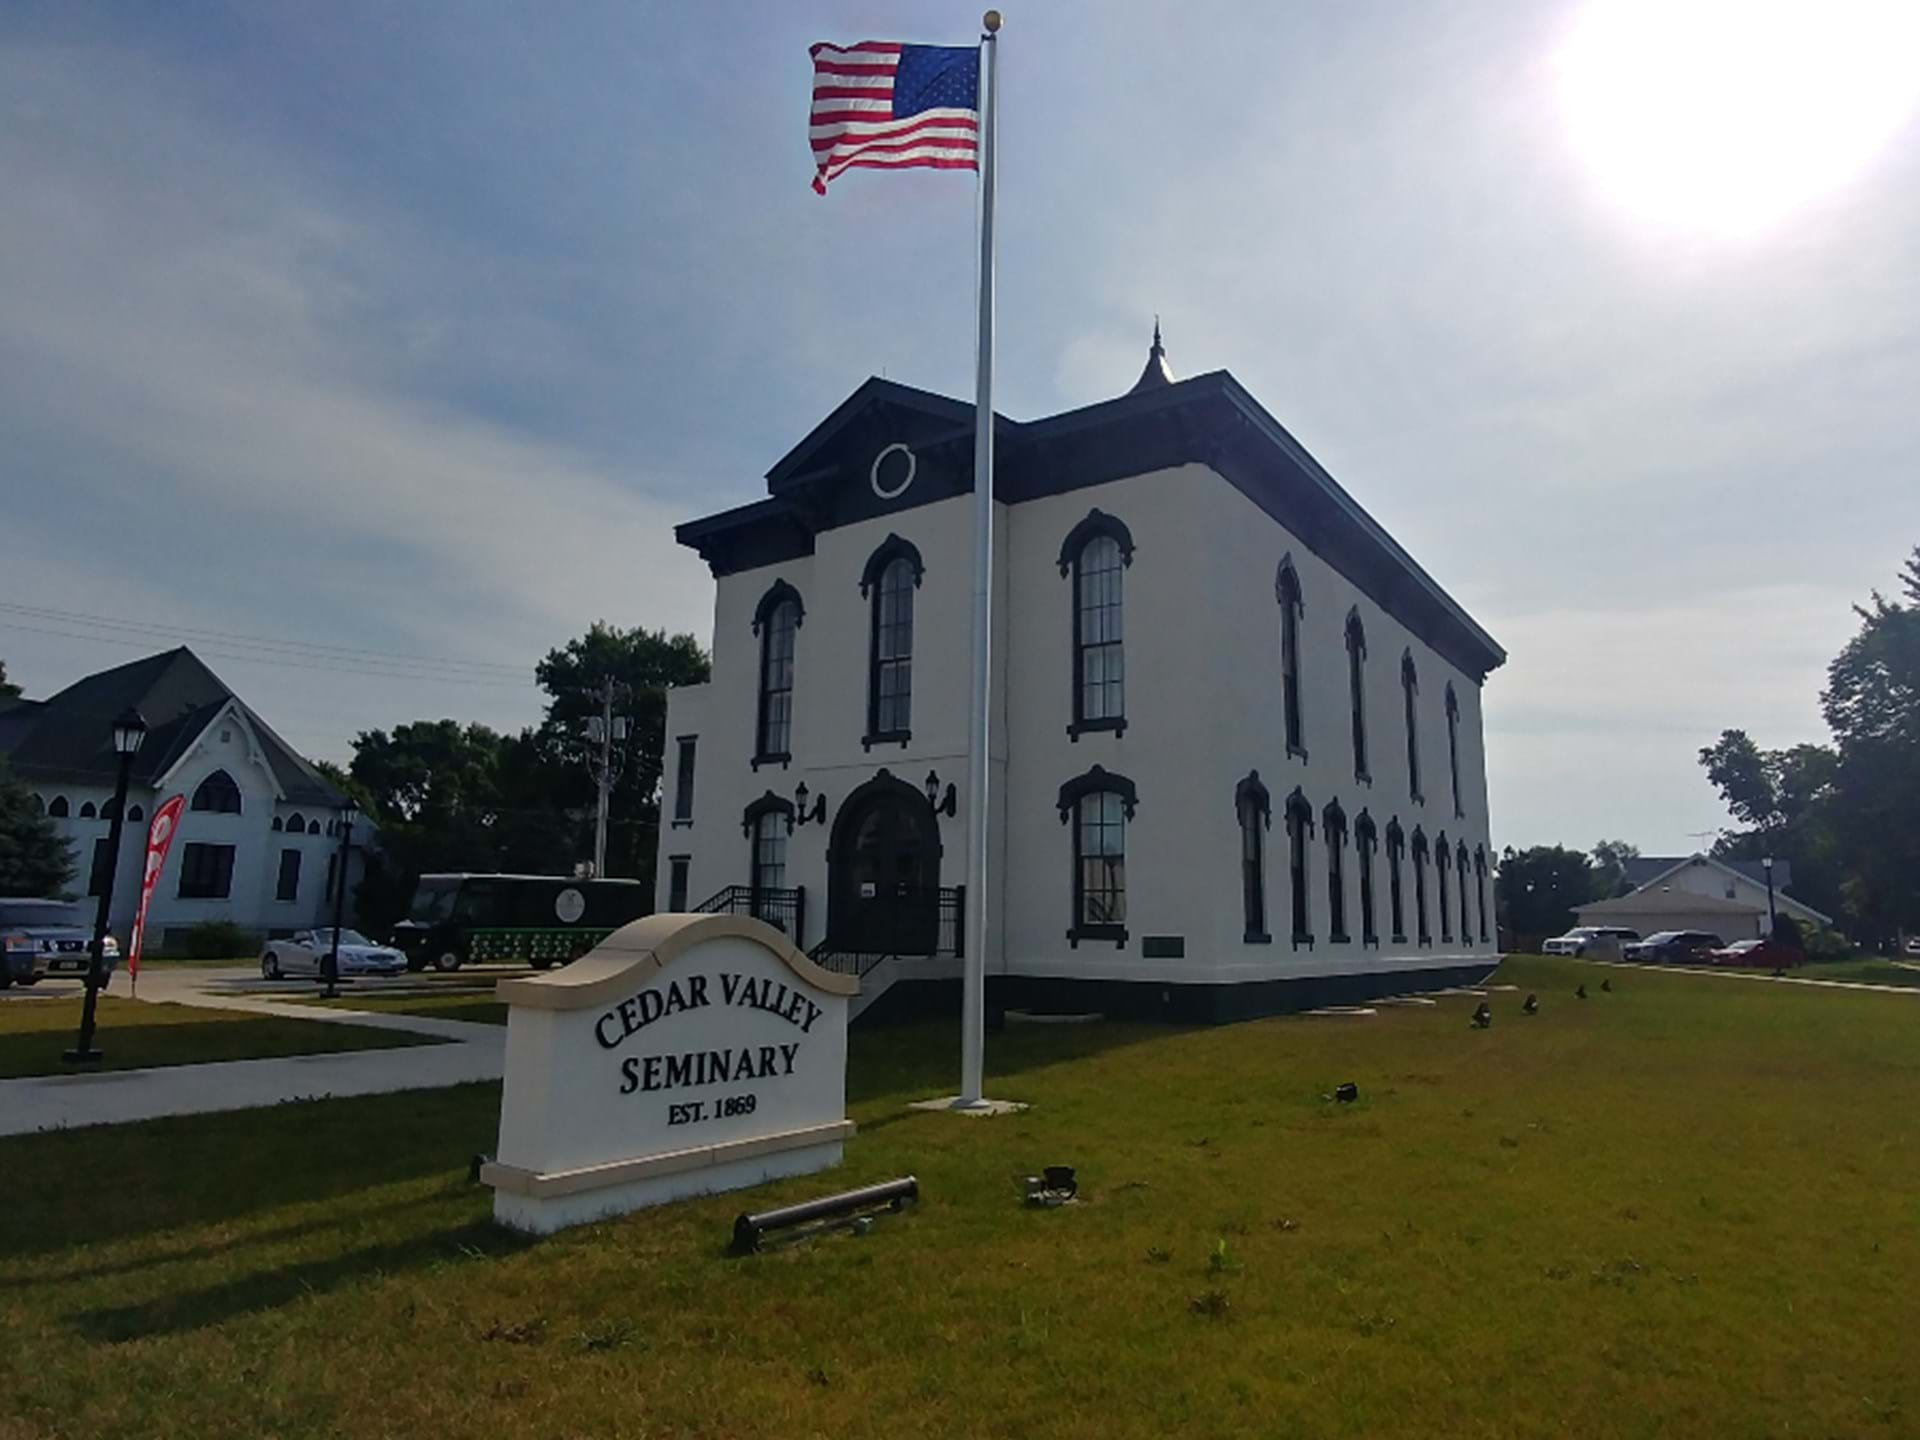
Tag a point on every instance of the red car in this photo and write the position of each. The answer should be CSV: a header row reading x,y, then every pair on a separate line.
x,y
1757,955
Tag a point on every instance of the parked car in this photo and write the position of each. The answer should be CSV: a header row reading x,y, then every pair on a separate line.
x,y
305,953
1600,942
47,937
1758,955
1676,947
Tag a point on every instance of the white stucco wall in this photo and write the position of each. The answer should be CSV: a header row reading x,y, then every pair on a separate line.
x,y
1202,708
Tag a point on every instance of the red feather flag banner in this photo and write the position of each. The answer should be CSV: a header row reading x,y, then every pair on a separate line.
x,y
884,106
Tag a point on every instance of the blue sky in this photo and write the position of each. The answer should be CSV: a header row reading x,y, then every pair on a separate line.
x,y
411,330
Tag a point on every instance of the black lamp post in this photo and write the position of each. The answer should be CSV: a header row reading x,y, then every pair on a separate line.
x,y
1772,920
348,814
129,732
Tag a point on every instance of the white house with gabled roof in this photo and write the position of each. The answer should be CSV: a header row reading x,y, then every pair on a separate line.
x,y
259,844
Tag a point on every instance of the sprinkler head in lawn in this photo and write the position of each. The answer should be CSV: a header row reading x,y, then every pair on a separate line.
x,y
1580,991
1346,1094
1482,1016
1530,1005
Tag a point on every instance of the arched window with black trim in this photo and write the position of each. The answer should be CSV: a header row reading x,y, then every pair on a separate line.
x,y
1357,693
57,808
777,622
1461,861
36,803
1097,806
135,814
1480,886
1366,843
277,824
1442,873
87,810
1453,748
1333,825
1424,932
1096,554
218,794
1410,694
297,823
1254,810
891,576
1299,832
1396,858
767,822
1286,590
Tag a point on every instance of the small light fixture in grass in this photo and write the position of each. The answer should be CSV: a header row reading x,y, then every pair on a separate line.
x,y
1607,985
1482,1016
1346,1093
1531,1005
1580,991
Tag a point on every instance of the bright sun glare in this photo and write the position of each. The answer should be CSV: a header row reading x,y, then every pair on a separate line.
x,y
1726,115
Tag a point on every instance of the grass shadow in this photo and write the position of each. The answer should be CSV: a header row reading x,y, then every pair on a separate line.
x,y
292,1154
184,1311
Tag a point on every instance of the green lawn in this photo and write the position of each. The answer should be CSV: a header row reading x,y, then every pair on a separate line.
x,y
482,1008
135,1034
1872,970
1686,1208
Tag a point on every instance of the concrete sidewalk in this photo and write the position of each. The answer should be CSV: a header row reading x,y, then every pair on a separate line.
x,y
45,1102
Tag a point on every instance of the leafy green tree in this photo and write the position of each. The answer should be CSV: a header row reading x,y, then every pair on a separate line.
x,y
34,860
1610,867
8,690
1536,890
642,665
1872,705
1843,814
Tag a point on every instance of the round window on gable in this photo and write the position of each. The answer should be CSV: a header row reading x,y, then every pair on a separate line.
x,y
893,471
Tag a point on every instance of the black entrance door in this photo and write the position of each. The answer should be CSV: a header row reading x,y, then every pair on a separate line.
x,y
885,871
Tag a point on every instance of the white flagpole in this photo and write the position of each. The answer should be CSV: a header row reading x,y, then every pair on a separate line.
x,y
973,985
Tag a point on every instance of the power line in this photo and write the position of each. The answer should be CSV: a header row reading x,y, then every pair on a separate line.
x,y
314,664
280,644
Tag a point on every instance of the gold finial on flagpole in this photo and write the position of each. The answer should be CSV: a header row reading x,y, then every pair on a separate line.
x,y
991,20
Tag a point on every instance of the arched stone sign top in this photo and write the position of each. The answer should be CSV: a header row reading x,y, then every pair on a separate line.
x,y
683,1055
636,951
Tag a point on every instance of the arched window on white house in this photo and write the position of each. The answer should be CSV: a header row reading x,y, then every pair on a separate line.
x,y
1453,748
1410,694
1097,806
1286,589
218,794
1096,553
776,622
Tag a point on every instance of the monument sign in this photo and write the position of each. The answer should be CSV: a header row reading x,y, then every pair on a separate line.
x,y
683,1055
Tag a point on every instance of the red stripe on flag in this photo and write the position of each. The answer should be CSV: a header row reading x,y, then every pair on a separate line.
x,y
845,140
852,92
864,47
842,67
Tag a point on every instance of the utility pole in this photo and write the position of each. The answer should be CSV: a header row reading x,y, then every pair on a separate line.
x,y
603,730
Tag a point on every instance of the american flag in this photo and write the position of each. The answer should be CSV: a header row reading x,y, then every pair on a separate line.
x,y
887,106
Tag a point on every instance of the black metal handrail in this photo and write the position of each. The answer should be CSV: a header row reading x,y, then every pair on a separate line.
x,y
949,940
784,909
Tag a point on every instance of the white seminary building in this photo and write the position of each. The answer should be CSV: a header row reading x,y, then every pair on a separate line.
x,y
1237,761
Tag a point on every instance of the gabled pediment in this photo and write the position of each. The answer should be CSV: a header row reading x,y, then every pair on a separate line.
x,y
878,414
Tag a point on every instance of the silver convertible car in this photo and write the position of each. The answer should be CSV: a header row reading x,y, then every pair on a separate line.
x,y
305,953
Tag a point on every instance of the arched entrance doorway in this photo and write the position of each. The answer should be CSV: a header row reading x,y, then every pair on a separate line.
x,y
883,871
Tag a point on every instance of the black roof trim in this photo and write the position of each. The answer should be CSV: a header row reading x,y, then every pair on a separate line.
x,y
1207,419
